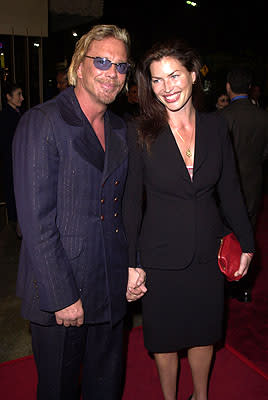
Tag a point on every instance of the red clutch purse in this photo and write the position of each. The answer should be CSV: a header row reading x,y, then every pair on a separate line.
x,y
229,257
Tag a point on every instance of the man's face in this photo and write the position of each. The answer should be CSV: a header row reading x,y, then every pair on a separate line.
x,y
62,81
256,92
102,86
133,94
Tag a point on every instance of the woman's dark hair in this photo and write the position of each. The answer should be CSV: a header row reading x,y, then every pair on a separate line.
x,y
153,113
10,87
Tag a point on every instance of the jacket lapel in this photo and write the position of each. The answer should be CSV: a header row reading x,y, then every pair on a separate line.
x,y
116,147
200,149
84,142
175,157
88,147
200,144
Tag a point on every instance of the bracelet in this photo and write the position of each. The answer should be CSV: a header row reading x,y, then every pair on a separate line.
x,y
250,254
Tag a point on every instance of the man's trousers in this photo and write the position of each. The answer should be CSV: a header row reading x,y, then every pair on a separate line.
x,y
68,358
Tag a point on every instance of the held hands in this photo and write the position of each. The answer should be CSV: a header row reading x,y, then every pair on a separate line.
x,y
72,315
136,284
244,264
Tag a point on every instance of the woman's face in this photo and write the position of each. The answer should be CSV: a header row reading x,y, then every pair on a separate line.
x,y
222,102
171,82
15,99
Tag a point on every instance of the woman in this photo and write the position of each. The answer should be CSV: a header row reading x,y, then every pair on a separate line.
x,y
9,119
222,101
181,162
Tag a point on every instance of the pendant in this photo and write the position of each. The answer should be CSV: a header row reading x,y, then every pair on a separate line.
x,y
188,153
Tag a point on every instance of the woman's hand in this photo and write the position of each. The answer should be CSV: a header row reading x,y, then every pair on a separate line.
x,y
136,284
244,264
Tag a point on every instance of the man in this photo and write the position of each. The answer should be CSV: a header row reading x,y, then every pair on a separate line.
x,y
255,95
127,104
70,161
132,104
62,80
248,127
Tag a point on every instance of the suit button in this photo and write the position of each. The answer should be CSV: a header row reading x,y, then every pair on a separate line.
x,y
115,214
102,201
116,182
117,230
116,198
102,217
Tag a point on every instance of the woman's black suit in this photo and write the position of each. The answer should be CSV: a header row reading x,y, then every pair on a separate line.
x,y
176,234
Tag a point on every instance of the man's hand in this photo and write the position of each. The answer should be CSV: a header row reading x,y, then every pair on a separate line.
x,y
244,264
136,284
72,315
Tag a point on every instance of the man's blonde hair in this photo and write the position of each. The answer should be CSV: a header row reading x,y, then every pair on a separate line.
x,y
98,32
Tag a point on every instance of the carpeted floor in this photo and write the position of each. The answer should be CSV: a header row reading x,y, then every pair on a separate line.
x,y
240,369
231,378
247,324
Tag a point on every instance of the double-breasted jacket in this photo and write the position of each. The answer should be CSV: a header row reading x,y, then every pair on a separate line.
x,y
68,194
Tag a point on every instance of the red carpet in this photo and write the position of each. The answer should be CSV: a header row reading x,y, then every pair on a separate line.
x,y
241,368
247,327
231,378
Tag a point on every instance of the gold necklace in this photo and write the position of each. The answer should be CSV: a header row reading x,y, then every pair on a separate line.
x,y
188,151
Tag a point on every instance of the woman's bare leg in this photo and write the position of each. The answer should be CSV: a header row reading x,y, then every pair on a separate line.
x,y
167,366
200,361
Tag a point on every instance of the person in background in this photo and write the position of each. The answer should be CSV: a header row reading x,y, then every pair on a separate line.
x,y
254,95
9,118
248,128
62,80
222,101
70,166
127,105
181,162
132,105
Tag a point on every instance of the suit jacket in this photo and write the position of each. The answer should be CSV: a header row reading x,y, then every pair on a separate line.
x,y
68,194
248,126
182,218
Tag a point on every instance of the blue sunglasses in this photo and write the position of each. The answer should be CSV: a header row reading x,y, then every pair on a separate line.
x,y
104,64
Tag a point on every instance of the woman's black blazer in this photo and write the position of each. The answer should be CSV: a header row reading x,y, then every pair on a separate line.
x,y
182,218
